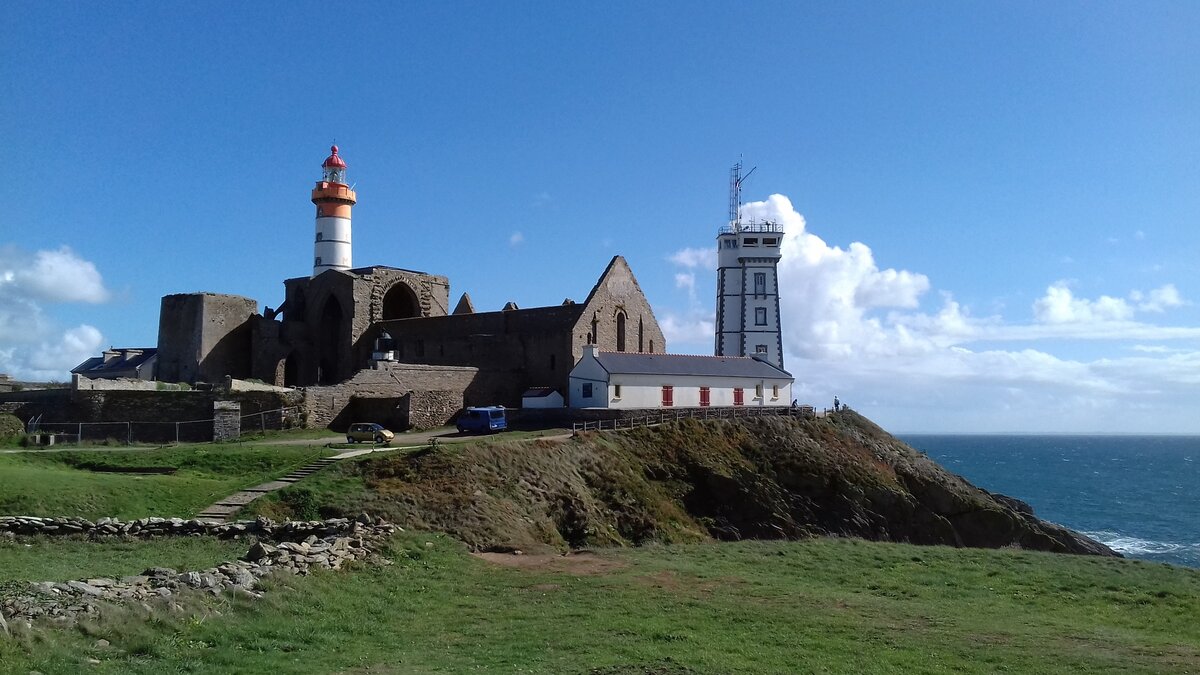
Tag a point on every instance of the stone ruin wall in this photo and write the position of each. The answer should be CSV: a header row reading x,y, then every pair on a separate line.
x,y
417,395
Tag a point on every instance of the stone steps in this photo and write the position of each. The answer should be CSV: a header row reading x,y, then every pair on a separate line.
x,y
226,507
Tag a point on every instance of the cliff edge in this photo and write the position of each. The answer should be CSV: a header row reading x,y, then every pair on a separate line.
x,y
764,478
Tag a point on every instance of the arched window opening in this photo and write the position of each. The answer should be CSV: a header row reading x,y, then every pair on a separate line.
x,y
400,303
330,346
620,331
595,340
641,336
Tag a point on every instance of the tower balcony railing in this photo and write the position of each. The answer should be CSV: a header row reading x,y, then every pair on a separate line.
x,y
765,227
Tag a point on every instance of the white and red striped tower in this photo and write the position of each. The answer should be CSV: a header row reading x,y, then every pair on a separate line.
x,y
333,198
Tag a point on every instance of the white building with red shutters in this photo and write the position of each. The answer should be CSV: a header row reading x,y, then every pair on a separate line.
x,y
637,380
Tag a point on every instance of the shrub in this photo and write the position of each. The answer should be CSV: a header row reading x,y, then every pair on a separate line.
x,y
10,426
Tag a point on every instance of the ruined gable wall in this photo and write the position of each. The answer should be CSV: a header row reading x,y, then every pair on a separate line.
x,y
617,291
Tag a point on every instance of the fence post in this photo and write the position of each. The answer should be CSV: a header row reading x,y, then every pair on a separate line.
x,y
128,433
177,433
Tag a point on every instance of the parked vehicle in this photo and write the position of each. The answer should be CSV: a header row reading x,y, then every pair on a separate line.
x,y
369,431
484,420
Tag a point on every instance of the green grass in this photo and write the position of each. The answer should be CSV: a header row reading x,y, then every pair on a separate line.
x,y
760,607
65,558
63,483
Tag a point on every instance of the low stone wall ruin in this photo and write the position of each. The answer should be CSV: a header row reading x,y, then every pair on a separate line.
x,y
295,547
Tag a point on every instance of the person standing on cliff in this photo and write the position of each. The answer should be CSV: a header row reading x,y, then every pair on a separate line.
x,y
836,403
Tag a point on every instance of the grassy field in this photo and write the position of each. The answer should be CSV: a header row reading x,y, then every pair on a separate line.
x,y
65,558
82,482
762,607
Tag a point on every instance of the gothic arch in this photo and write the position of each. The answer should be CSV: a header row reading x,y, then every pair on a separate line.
x,y
620,330
331,347
400,302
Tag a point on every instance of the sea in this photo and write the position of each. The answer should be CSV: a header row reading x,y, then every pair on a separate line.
x,y
1140,495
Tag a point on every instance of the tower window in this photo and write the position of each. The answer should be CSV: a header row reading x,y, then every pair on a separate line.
x,y
760,316
770,242
318,262
750,241
620,331
760,283
320,236
760,349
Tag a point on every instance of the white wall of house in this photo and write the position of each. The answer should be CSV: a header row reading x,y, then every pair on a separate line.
x,y
646,391
551,400
588,371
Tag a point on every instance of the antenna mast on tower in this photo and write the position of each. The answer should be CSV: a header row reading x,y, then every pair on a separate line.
x,y
735,194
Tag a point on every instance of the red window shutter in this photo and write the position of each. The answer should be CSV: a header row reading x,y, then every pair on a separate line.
x,y
704,397
737,396
668,398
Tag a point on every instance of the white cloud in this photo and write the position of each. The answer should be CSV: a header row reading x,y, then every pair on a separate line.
x,y
515,239
31,346
856,328
686,280
1060,306
691,258
689,329
1159,299
50,276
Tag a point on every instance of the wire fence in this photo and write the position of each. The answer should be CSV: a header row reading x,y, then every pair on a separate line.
x,y
180,431
723,413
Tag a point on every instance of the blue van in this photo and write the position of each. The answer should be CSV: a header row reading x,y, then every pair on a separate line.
x,y
483,420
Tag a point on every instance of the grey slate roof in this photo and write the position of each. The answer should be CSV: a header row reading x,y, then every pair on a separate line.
x,y
630,363
97,366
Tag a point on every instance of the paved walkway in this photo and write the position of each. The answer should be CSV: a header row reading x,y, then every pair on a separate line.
x,y
223,509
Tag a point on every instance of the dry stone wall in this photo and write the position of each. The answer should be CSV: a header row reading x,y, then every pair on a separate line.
x,y
294,547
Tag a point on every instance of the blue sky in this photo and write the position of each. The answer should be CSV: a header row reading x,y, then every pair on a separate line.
x,y
992,208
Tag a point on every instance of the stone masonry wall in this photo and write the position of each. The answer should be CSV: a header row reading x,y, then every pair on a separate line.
x,y
202,337
331,405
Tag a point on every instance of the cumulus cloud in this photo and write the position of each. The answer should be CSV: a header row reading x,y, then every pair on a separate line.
x,y
31,344
1060,306
876,335
515,239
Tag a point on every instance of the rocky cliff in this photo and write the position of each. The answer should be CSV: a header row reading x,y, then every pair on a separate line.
x,y
690,480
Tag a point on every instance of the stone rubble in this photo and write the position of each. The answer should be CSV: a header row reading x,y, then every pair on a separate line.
x,y
295,547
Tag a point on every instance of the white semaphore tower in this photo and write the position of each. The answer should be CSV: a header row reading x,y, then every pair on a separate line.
x,y
333,198
748,283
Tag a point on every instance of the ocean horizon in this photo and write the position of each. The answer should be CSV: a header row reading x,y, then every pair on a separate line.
x,y
1132,492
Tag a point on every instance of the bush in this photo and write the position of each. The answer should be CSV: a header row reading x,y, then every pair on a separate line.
x,y
10,426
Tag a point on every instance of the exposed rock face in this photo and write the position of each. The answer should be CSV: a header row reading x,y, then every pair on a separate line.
x,y
768,478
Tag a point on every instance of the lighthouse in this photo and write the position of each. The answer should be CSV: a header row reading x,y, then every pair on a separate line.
x,y
748,283
334,199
